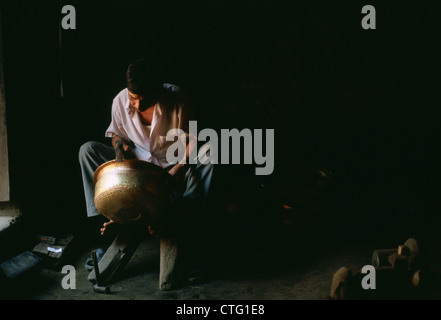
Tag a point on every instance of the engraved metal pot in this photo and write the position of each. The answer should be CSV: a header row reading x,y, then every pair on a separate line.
x,y
129,190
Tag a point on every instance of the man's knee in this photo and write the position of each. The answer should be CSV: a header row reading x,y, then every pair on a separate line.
x,y
199,178
86,149
205,170
95,153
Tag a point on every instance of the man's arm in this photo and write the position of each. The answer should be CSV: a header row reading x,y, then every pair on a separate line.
x,y
187,114
179,167
116,129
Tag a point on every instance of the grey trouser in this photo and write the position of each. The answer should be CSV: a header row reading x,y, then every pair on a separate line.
x,y
93,154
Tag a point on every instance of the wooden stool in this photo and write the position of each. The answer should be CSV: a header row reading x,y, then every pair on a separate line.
x,y
122,249
170,272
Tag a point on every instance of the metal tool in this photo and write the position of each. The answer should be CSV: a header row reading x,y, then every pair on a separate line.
x,y
97,287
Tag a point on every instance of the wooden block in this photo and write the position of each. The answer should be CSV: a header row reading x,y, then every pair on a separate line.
x,y
340,284
380,257
414,247
400,262
403,250
416,278
169,269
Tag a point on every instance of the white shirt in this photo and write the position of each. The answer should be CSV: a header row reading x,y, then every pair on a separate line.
x,y
149,141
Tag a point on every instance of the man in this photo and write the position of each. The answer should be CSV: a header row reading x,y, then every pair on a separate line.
x,y
142,114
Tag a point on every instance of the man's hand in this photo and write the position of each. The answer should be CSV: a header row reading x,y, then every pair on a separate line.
x,y
126,147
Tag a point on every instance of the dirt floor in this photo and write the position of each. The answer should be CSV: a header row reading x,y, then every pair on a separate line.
x,y
287,266
255,280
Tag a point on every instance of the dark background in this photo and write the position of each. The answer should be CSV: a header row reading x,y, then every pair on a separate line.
x,y
363,104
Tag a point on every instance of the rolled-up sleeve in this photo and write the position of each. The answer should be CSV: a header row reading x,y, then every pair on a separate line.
x,y
116,125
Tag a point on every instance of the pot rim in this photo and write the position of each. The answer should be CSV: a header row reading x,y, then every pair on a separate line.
x,y
131,164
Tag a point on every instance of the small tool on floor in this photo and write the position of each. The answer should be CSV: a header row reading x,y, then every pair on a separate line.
x,y
53,250
97,287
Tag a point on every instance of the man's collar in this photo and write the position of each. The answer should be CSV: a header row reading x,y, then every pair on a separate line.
x,y
128,107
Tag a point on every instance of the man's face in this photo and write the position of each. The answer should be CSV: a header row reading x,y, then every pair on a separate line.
x,y
138,102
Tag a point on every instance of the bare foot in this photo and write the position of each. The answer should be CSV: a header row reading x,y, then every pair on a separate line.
x,y
106,225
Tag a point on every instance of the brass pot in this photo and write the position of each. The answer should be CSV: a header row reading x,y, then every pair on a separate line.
x,y
129,190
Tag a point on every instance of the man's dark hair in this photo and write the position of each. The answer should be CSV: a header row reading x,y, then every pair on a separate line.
x,y
143,80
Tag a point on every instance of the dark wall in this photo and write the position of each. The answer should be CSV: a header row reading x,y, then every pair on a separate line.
x,y
363,104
